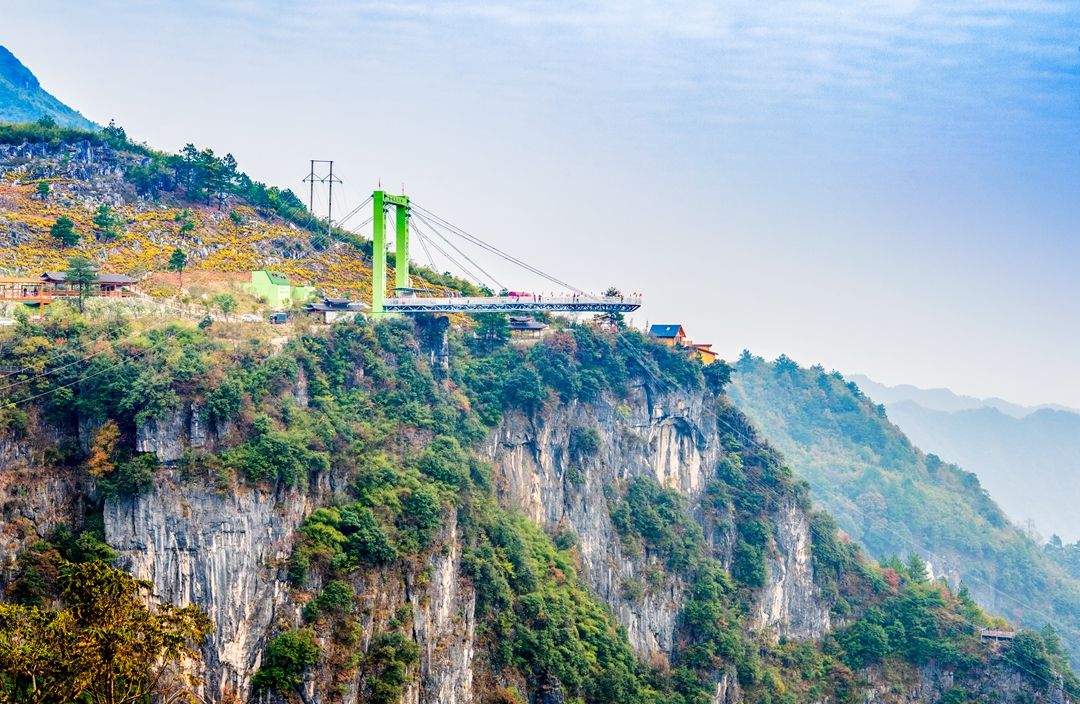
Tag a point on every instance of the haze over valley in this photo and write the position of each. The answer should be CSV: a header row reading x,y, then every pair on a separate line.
x,y
361,353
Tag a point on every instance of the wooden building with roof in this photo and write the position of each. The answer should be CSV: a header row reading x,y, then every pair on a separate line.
x,y
675,336
104,285
332,310
526,327
53,284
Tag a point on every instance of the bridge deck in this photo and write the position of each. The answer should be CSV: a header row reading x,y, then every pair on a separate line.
x,y
514,304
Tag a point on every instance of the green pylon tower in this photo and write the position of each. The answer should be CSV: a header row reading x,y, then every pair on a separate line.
x,y
379,201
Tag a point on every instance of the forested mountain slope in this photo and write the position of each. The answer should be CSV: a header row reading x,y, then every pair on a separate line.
x,y
22,99
1030,465
895,500
1027,457
337,514
586,519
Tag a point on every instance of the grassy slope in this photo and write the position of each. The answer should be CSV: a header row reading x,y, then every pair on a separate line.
x,y
235,237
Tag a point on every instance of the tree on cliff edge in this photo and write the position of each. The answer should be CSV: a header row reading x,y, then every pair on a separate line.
x,y
108,645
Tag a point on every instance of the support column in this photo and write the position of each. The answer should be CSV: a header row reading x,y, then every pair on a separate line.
x,y
401,246
378,254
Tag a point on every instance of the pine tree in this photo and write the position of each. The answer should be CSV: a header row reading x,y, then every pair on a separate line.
x,y
106,222
177,263
81,275
64,231
612,320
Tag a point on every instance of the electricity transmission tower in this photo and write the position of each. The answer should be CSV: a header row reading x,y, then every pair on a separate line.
x,y
329,179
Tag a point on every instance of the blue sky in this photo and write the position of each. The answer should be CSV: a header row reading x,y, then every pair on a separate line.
x,y
890,187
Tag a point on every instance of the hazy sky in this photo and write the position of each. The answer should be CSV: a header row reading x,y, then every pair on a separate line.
x,y
885,187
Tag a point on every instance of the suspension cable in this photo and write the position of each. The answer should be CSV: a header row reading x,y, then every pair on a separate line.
x,y
354,211
423,244
498,286
356,229
495,250
453,261
637,355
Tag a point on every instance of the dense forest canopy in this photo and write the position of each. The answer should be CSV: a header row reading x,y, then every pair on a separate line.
x,y
406,434
894,499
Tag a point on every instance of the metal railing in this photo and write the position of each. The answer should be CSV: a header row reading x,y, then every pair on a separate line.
x,y
30,295
511,304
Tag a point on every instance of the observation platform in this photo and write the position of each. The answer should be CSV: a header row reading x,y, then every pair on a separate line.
x,y
512,304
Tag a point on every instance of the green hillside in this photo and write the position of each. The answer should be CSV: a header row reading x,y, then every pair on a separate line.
x,y
405,434
896,500
993,444
22,99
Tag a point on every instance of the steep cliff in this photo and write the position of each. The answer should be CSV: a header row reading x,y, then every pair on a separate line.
x,y
217,550
671,438
584,520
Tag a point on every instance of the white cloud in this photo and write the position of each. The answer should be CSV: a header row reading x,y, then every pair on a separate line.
x,y
771,54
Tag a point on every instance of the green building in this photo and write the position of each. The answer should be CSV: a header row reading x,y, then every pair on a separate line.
x,y
277,290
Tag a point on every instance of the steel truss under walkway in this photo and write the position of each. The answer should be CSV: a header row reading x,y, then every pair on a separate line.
x,y
513,304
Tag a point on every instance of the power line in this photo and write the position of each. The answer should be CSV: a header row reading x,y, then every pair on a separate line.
x,y
53,370
55,354
330,180
79,380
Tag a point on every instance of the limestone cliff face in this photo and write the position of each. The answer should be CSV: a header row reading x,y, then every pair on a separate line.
x,y
668,437
225,549
444,624
32,502
168,436
219,551
929,683
790,604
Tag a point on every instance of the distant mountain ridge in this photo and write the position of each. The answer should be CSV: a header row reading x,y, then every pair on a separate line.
x,y
1027,458
22,99
945,399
